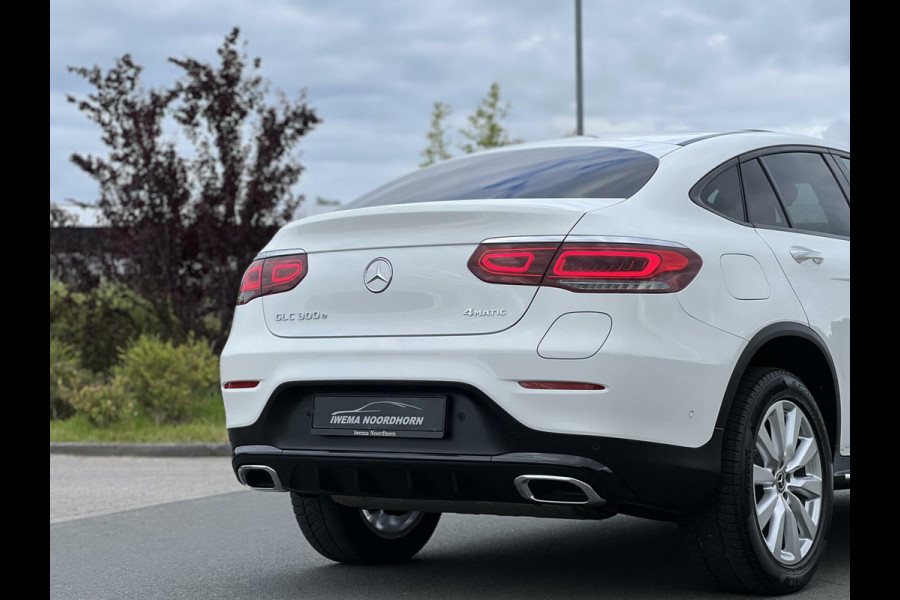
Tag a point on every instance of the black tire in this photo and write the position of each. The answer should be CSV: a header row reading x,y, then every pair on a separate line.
x,y
340,533
725,536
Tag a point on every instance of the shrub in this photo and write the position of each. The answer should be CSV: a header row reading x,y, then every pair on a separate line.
x,y
66,376
101,322
101,402
164,379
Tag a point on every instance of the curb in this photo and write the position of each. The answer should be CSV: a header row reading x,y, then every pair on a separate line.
x,y
154,450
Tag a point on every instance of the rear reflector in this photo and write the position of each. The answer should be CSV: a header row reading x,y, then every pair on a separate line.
x,y
588,267
560,385
240,385
272,276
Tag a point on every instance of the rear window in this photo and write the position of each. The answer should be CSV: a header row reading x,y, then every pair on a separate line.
x,y
533,173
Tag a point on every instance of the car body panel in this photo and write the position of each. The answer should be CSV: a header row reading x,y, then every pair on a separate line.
x,y
824,292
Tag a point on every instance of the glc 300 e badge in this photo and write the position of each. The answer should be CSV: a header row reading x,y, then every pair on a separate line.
x,y
378,275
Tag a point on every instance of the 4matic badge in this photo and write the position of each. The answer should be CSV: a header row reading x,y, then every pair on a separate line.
x,y
488,312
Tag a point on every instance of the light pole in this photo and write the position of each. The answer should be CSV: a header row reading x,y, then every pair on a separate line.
x,y
579,88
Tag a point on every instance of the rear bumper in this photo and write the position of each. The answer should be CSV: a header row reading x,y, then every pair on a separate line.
x,y
482,452
648,479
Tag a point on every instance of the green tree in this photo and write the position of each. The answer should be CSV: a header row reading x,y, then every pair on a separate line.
x,y
485,124
182,226
438,143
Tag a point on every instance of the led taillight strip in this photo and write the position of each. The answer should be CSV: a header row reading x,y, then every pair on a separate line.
x,y
273,273
615,266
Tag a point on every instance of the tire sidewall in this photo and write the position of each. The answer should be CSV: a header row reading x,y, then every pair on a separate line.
x,y
783,386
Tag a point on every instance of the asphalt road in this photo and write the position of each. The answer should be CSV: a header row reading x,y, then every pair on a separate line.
x,y
247,545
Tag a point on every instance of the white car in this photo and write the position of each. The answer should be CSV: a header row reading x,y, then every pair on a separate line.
x,y
656,326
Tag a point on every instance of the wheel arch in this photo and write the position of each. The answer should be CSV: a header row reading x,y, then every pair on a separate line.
x,y
799,349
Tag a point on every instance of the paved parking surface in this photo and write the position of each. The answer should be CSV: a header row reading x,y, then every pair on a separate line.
x,y
84,486
247,545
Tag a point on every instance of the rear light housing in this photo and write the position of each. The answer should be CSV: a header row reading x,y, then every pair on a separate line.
x,y
272,275
515,264
593,267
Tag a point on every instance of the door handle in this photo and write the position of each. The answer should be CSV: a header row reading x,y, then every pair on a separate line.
x,y
801,255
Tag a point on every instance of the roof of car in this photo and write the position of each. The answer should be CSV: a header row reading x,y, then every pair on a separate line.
x,y
660,144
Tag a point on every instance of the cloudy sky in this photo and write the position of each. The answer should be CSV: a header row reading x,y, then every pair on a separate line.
x,y
373,69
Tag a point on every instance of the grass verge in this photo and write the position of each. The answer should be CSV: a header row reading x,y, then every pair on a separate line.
x,y
207,424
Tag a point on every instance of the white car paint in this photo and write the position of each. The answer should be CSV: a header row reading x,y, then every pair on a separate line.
x,y
824,292
665,359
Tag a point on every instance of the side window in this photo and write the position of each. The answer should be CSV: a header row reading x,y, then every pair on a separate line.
x,y
810,193
845,162
723,194
762,203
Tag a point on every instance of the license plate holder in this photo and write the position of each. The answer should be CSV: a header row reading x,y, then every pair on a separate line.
x,y
379,416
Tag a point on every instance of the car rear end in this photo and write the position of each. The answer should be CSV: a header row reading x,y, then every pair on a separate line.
x,y
481,352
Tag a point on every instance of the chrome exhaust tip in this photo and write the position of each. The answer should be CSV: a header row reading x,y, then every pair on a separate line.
x,y
260,477
555,489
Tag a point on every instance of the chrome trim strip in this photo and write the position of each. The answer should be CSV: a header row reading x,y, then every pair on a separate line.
x,y
618,239
274,253
527,239
522,485
242,477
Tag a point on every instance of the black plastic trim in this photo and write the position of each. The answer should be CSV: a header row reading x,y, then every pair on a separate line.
x,y
765,335
841,472
840,174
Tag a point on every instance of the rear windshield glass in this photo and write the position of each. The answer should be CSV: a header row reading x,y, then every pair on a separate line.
x,y
533,173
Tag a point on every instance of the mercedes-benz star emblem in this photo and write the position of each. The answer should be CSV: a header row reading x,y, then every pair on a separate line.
x,y
378,275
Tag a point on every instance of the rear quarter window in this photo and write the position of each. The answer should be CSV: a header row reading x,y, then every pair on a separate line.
x,y
723,194
592,172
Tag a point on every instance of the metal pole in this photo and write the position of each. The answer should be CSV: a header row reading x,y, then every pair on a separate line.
x,y
579,88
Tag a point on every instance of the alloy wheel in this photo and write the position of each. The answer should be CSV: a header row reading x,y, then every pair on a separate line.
x,y
391,524
787,482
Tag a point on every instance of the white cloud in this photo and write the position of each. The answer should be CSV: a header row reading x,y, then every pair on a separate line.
x,y
529,43
373,69
717,39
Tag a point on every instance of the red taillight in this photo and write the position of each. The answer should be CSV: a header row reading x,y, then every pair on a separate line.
x,y
588,267
272,275
518,264
251,284
240,385
560,385
587,262
507,262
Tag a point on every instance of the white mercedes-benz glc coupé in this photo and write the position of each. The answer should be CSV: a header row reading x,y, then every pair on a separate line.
x,y
656,326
